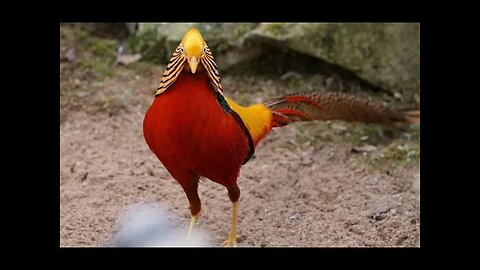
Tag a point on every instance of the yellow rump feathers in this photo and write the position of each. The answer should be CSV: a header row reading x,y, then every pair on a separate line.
x,y
257,118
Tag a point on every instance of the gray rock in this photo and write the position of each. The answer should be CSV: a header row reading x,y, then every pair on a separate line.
x,y
387,55
364,149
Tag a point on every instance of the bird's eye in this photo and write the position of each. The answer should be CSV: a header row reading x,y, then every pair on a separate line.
x,y
182,50
205,49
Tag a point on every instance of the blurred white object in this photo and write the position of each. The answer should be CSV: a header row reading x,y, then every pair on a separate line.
x,y
146,225
127,59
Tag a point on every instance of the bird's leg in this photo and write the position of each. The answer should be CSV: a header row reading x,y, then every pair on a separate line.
x,y
193,221
234,195
232,236
190,189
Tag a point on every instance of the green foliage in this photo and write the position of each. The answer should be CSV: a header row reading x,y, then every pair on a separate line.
x,y
152,49
99,55
80,32
275,29
142,67
99,68
243,29
402,152
103,48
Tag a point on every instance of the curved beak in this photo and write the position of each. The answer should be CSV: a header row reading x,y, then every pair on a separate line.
x,y
193,63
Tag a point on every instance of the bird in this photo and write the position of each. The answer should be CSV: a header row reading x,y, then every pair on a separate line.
x,y
198,133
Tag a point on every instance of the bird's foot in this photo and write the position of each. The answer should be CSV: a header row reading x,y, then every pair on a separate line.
x,y
230,243
193,221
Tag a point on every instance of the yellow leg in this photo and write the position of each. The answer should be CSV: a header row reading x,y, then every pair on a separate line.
x,y
193,221
232,237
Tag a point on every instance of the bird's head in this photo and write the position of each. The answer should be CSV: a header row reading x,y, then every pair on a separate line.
x,y
193,48
191,52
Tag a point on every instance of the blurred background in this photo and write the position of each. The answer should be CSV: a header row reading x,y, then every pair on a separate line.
x,y
381,60
108,75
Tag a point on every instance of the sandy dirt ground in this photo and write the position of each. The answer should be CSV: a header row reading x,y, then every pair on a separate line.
x,y
292,194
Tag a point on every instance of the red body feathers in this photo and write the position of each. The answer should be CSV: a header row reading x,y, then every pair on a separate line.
x,y
192,135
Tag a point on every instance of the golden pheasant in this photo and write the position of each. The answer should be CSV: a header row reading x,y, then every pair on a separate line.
x,y
196,131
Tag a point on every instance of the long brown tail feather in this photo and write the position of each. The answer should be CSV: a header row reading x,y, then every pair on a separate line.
x,y
309,106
